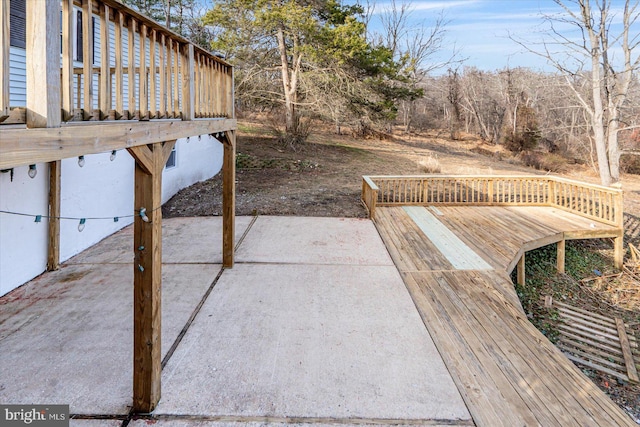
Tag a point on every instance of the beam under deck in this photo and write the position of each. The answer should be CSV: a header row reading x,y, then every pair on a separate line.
x,y
21,146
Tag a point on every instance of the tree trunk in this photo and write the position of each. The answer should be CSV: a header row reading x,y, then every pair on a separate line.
x,y
289,101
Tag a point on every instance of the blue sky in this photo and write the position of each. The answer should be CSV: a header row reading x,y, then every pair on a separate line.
x,y
480,28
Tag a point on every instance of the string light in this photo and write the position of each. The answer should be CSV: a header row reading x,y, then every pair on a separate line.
x,y
32,171
143,215
82,221
112,157
81,161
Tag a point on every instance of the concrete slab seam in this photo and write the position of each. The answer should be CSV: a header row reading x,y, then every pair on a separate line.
x,y
195,312
246,231
305,420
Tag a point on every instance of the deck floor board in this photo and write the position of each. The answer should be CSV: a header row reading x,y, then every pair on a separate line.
x,y
507,371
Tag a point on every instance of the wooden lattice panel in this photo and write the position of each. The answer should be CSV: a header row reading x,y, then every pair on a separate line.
x,y
596,341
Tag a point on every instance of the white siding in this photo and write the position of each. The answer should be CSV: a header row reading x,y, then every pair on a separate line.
x,y
17,77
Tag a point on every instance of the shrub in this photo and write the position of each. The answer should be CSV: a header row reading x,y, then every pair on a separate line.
x,y
522,141
429,164
630,164
545,161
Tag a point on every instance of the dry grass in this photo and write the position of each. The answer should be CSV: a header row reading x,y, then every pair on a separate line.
x,y
429,164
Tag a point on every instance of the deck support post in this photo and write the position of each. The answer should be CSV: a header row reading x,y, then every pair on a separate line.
x,y
228,198
561,256
521,275
53,251
618,251
147,274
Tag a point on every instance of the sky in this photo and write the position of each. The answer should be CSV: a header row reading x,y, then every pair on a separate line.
x,y
480,29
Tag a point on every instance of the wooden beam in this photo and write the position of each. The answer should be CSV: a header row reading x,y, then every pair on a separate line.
x,y
53,252
561,246
228,198
521,271
147,277
43,73
27,146
4,58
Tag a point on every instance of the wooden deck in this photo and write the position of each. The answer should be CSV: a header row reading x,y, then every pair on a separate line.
x,y
455,261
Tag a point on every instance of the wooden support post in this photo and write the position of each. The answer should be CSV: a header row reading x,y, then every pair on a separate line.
x,y
618,251
43,73
147,274
561,256
521,274
53,253
228,198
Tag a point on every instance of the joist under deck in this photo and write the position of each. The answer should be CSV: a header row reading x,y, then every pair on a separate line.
x,y
507,372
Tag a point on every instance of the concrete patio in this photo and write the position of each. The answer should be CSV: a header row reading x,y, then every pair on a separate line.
x,y
313,325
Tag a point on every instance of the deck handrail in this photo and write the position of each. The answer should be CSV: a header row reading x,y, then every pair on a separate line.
x,y
133,68
592,201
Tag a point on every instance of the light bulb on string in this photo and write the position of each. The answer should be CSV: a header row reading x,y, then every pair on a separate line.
x,y
81,224
143,214
32,171
112,157
81,161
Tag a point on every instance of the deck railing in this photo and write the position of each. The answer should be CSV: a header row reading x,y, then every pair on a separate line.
x,y
129,68
592,201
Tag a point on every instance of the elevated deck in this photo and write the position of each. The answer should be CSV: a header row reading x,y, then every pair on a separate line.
x,y
455,262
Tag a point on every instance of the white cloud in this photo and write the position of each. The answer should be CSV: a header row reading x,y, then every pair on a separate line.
x,y
426,5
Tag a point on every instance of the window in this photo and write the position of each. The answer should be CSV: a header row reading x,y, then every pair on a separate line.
x,y
18,23
172,160
79,48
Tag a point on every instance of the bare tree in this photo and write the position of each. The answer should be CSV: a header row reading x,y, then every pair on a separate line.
x,y
413,45
593,60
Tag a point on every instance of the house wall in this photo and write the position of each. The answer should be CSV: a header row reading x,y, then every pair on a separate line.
x,y
100,189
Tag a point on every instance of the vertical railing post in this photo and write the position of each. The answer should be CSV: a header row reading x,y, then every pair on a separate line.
x,y
67,59
618,243
43,64
143,86
105,58
188,82
87,56
552,193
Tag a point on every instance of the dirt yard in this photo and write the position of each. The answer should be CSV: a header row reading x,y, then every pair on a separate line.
x,y
324,178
